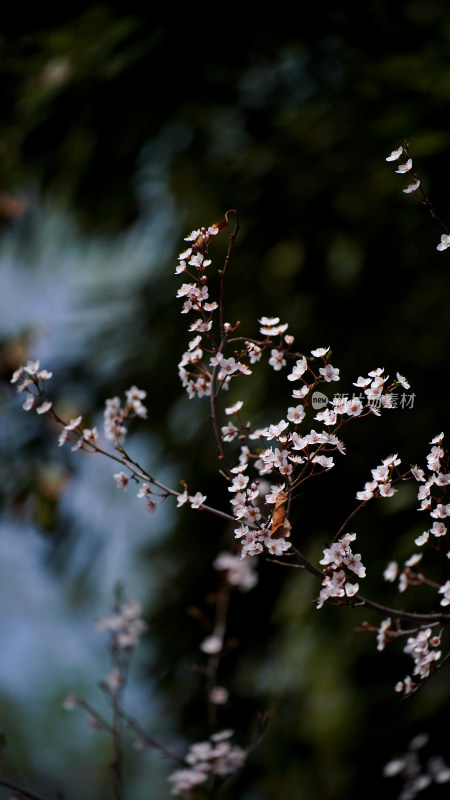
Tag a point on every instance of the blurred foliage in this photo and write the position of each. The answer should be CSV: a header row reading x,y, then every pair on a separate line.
x,y
110,115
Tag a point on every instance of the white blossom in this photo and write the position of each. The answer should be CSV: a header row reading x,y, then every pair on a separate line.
x,y
405,167
395,155
444,243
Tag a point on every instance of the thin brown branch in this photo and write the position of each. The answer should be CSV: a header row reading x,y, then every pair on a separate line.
x,y
346,521
224,338
359,600
139,472
20,791
220,624
424,199
116,765
224,270
133,725
215,422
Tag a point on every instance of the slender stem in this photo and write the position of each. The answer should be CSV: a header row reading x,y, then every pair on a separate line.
x,y
397,634
145,477
117,745
224,270
419,619
350,516
224,339
146,738
220,624
359,600
304,562
102,722
20,791
215,423
139,472
425,199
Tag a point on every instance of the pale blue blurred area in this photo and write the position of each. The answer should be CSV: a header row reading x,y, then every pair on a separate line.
x,y
66,289
66,286
50,647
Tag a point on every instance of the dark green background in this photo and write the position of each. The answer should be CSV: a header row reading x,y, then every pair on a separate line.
x,y
289,121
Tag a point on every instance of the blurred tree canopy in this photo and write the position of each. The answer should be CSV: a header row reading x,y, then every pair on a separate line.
x,y
105,108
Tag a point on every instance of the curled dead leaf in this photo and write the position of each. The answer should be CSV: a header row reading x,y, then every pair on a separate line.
x,y
216,226
281,527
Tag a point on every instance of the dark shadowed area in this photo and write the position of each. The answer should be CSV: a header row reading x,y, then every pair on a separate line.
x,y
121,131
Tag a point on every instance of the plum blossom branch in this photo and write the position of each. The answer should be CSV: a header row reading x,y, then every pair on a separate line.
x,y
417,188
144,739
88,441
33,378
214,418
282,450
359,600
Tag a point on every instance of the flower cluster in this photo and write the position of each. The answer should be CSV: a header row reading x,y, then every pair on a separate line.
x,y
115,414
215,757
196,375
432,495
32,381
417,776
114,417
238,572
294,457
338,560
382,633
423,649
282,451
74,432
271,327
376,394
125,626
381,483
437,480
405,576
405,168
195,501
255,541
255,532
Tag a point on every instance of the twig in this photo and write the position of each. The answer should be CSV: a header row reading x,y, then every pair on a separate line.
x,y
359,600
146,738
20,790
350,517
224,270
425,200
220,623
